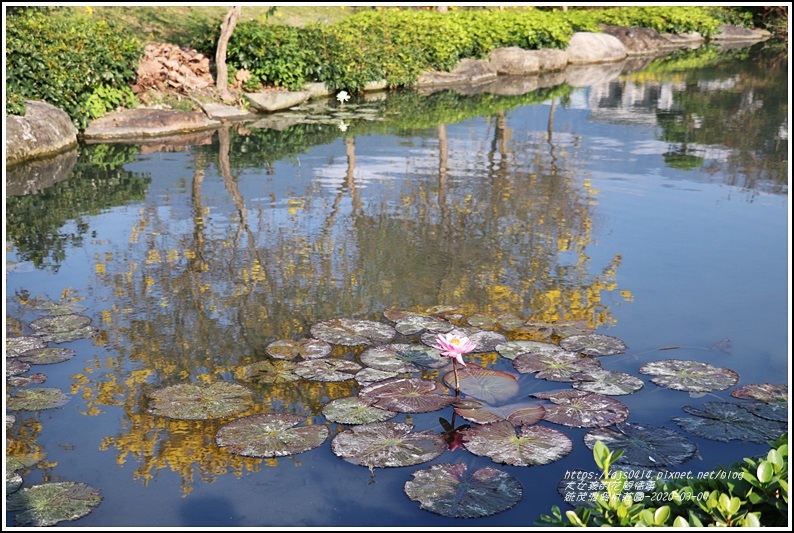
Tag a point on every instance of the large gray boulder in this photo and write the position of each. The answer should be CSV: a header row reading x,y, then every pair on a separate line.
x,y
44,130
146,122
639,41
467,71
270,101
513,60
590,47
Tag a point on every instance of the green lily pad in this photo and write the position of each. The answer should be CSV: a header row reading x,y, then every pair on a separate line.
x,y
518,446
304,348
269,435
724,421
595,344
559,366
480,320
60,323
576,408
46,356
407,395
510,321
609,382
276,371
692,376
355,410
54,308
644,445
513,349
411,322
371,375
36,399
58,337
484,340
569,328
763,392
327,369
353,332
517,414
187,401
48,504
387,444
447,490
18,345
18,462
486,384
403,357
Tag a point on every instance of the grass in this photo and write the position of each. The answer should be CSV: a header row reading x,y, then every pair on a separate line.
x,y
181,25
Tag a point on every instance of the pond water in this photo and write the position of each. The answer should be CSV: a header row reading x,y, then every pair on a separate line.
x,y
651,207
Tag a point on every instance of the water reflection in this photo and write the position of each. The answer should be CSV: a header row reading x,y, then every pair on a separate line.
x,y
197,259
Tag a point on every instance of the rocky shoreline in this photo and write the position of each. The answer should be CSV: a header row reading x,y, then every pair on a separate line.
x,y
46,131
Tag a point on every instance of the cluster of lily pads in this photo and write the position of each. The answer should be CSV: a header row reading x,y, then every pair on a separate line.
x,y
391,370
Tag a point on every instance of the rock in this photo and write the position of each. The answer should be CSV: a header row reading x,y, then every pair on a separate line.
x,y
517,61
44,130
147,122
589,47
639,41
468,71
276,100
30,177
167,65
223,111
728,32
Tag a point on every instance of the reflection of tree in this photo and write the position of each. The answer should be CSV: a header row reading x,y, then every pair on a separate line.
x,y
195,301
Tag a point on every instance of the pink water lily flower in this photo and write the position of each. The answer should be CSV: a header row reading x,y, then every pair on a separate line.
x,y
455,346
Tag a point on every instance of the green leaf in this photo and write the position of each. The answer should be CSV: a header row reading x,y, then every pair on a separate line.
x,y
661,515
680,521
765,471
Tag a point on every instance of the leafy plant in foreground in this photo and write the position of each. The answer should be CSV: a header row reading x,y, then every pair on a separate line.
x,y
752,493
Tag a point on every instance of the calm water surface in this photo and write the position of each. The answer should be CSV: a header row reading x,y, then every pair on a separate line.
x,y
653,206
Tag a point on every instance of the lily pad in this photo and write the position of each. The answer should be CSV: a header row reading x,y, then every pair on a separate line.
x,y
576,408
486,384
18,345
407,395
448,490
276,371
187,401
371,375
58,337
60,323
559,366
522,446
387,444
353,332
304,348
270,435
763,392
54,308
517,414
46,356
777,411
36,399
403,357
595,344
327,369
411,322
513,349
480,320
724,421
15,367
644,445
568,328
17,462
510,321
690,376
48,504
20,381
609,382
356,410
484,340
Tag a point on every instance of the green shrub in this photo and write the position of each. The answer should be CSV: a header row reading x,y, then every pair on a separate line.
x,y
74,64
664,19
752,493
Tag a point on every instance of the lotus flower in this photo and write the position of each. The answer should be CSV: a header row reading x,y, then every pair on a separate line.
x,y
343,97
454,346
